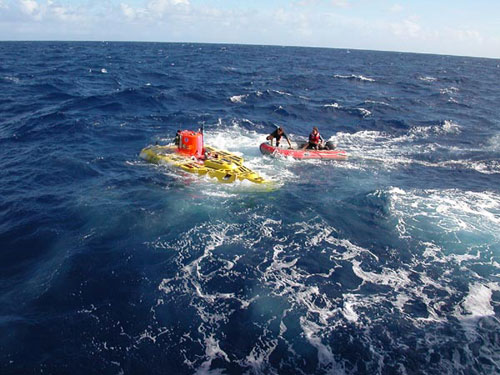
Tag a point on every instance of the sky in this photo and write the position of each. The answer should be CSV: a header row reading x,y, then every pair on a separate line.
x,y
449,27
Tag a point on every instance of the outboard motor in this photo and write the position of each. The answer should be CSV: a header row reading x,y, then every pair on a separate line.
x,y
191,143
330,145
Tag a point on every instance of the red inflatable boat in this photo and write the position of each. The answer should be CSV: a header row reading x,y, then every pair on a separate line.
x,y
267,149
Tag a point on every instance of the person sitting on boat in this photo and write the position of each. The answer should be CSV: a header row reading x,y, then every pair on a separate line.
x,y
315,140
278,133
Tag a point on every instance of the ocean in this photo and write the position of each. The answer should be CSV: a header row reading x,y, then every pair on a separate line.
x,y
385,263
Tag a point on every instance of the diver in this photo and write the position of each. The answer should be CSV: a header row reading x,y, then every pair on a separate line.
x,y
315,142
278,133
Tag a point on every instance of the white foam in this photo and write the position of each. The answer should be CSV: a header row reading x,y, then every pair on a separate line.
x,y
427,79
218,251
364,112
451,225
363,78
451,127
401,300
356,77
376,102
449,90
433,251
447,127
235,138
393,152
258,358
396,279
219,193
348,309
11,79
212,351
372,145
478,302
282,92
333,105
238,98
494,143
326,359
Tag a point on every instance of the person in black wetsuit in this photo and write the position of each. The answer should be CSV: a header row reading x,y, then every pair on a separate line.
x,y
278,133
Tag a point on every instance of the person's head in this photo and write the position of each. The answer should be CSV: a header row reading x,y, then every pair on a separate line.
x,y
315,129
280,130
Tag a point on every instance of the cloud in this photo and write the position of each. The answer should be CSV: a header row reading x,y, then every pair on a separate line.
x,y
66,14
128,11
133,14
29,7
154,9
396,8
314,3
93,12
411,28
39,10
298,22
464,35
160,7
407,28
340,3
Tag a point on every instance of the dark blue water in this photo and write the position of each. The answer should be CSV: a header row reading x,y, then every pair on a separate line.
x,y
387,263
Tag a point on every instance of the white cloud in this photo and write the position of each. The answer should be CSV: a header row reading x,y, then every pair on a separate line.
x,y
407,28
161,7
65,14
154,9
313,3
129,12
465,35
48,14
340,3
396,8
298,22
281,16
295,23
306,3
29,7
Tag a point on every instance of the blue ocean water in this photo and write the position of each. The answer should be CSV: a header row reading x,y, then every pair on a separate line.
x,y
387,263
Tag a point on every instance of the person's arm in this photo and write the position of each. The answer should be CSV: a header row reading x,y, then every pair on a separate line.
x,y
287,139
270,138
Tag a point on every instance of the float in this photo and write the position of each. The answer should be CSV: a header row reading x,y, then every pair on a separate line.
x,y
298,153
191,155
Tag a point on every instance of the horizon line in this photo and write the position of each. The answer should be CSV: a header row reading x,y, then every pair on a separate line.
x,y
242,44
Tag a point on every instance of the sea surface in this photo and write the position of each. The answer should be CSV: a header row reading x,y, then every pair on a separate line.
x,y
386,263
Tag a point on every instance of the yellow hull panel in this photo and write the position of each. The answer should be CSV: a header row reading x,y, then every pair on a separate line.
x,y
222,165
